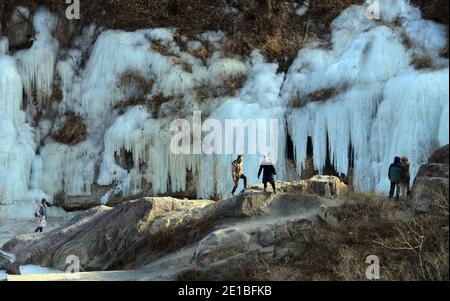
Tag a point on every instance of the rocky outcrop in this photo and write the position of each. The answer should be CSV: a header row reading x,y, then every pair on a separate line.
x,y
102,238
158,234
8,261
432,181
19,28
325,186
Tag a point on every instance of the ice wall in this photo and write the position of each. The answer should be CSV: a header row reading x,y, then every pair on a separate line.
x,y
17,146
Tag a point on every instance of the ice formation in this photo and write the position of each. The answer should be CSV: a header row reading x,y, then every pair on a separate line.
x,y
17,146
361,98
37,64
380,106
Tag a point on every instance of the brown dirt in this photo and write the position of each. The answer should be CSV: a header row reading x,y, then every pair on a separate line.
x,y
436,10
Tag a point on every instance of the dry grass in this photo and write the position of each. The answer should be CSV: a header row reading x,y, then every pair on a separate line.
x,y
203,53
160,48
423,63
228,87
134,78
141,87
409,247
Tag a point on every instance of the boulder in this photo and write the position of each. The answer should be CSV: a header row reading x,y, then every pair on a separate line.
x,y
440,156
327,216
220,245
325,186
19,28
102,238
8,261
432,181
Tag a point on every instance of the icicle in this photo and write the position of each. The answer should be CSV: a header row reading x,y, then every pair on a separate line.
x,y
37,64
4,45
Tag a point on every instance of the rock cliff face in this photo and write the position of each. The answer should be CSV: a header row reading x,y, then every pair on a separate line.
x,y
432,180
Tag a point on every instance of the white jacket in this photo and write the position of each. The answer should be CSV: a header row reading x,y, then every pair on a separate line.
x,y
41,219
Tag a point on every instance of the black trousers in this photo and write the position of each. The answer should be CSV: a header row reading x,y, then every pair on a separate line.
x,y
271,183
236,183
39,229
395,187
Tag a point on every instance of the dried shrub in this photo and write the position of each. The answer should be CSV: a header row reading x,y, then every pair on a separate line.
x,y
423,62
153,104
74,130
298,102
409,247
202,53
156,102
162,49
134,78
323,94
228,87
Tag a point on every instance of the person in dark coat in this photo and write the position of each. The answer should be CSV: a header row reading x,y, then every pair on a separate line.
x,y
395,176
269,173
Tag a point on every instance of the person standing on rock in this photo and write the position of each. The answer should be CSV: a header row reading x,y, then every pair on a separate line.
x,y
269,173
405,182
395,176
41,216
238,173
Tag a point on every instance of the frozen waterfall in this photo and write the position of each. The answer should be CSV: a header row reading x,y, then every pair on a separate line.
x,y
358,97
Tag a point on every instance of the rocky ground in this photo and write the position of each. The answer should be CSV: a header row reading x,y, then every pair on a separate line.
x,y
310,230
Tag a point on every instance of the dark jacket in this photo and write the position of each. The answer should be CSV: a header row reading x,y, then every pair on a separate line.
x,y
269,173
396,171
